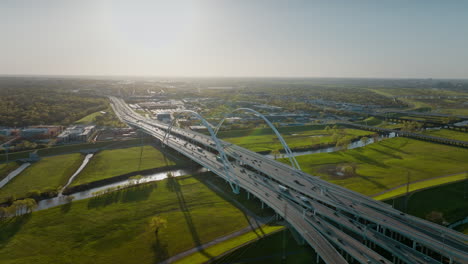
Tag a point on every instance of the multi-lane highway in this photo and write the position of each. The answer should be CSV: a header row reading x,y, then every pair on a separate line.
x,y
340,225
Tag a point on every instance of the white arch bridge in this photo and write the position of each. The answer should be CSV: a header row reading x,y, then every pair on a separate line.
x,y
342,226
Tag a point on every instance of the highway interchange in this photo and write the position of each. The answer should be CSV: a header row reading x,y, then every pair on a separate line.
x,y
340,225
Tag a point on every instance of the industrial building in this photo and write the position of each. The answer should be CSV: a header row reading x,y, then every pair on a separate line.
x,y
76,134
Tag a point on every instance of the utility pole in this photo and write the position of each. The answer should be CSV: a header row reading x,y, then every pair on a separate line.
x,y
141,148
283,259
407,191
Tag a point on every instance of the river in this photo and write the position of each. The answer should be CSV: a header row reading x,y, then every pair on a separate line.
x,y
353,145
63,199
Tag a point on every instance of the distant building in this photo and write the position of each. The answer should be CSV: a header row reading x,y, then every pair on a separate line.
x,y
52,131
31,133
268,107
164,117
76,134
171,104
198,128
6,131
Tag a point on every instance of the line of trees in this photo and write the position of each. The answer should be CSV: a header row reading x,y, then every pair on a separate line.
x,y
18,207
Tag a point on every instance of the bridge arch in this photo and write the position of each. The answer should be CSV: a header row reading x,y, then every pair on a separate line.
x,y
288,151
233,182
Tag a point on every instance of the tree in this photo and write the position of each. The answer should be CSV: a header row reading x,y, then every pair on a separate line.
x,y
364,140
343,143
156,223
3,212
275,153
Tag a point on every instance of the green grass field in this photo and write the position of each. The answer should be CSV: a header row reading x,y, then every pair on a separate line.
x,y
6,168
299,138
231,244
48,173
89,118
65,149
422,185
270,250
447,133
110,163
385,165
448,199
463,229
114,228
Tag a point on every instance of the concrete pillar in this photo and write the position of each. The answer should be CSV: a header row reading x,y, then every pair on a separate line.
x,y
318,259
248,196
414,244
263,205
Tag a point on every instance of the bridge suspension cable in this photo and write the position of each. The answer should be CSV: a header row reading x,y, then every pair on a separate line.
x,y
288,151
233,182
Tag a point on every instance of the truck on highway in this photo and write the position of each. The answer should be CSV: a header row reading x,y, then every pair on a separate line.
x,y
199,149
282,188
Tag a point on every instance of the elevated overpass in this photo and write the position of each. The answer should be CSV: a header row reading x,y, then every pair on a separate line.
x,y
342,226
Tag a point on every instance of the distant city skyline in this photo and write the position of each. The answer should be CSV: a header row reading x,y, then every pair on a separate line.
x,y
244,38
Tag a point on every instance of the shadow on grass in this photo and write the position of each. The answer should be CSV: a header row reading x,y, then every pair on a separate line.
x,y
374,182
174,186
66,207
239,201
128,195
10,227
387,153
160,250
368,160
396,149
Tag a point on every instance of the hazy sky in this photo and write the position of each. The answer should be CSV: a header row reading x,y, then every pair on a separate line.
x,y
349,38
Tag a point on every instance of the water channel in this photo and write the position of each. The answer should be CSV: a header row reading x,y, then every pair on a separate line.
x,y
61,199
353,145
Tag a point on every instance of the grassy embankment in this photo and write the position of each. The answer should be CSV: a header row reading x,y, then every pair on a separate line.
x,y
110,163
6,168
89,118
424,184
270,250
301,137
448,199
384,165
114,228
47,174
447,133
374,121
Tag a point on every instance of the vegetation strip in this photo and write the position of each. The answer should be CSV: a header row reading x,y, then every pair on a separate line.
x,y
227,246
420,185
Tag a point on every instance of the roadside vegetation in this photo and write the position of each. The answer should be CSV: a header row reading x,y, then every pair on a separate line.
x,y
420,185
115,228
270,250
110,163
231,244
44,176
386,164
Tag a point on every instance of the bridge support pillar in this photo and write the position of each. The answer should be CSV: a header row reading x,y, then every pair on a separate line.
x,y
414,244
248,195
263,205
318,259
